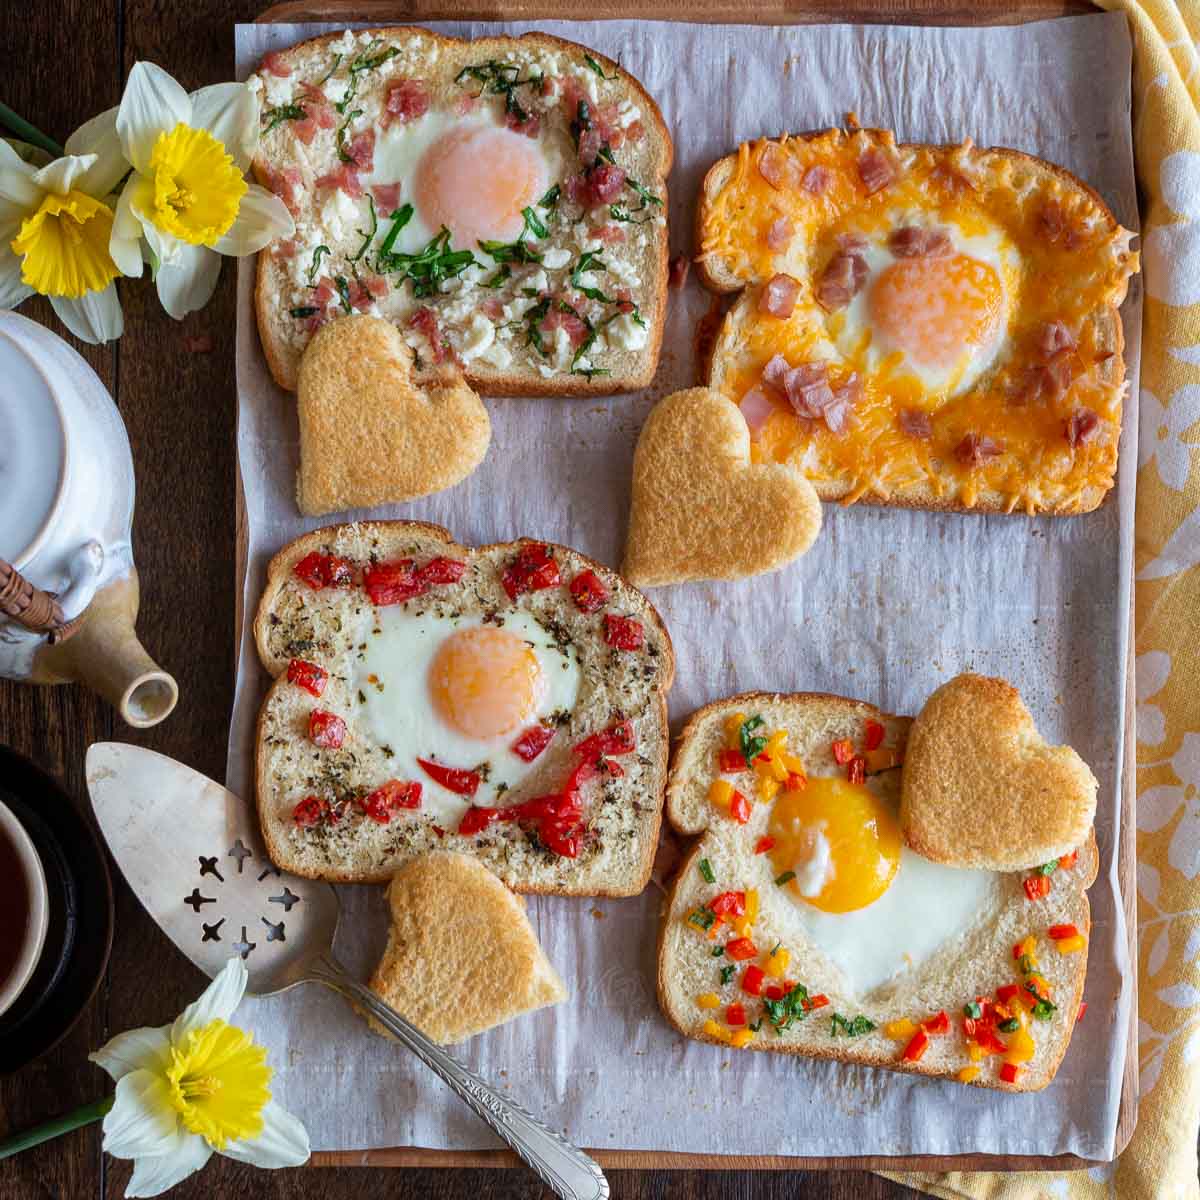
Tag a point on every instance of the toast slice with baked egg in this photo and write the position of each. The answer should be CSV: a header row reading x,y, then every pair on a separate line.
x,y
801,922
920,325
506,702
502,201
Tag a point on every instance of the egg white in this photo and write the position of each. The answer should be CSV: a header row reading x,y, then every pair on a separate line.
x,y
398,711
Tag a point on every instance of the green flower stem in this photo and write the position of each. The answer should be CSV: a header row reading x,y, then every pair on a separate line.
x,y
87,1115
27,132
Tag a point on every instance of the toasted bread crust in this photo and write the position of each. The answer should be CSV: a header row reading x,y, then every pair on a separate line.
x,y
635,374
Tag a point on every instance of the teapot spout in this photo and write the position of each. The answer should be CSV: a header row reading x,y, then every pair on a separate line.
x,y
106,656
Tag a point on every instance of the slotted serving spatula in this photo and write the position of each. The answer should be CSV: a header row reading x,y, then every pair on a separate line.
x,y
191,851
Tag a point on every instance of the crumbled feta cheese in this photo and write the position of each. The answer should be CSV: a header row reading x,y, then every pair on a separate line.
x,y
546,371
518,307
587,279
537,281
335,90
278,91
556,258
497,355
627,333
480,334
627,113
563,350
618,268
336,212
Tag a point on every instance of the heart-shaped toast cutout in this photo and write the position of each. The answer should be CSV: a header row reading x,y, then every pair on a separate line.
x,y
700,508
374,430
461,954
981,786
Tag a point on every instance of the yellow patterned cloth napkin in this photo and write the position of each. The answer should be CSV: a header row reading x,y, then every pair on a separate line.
x,y
1160,1161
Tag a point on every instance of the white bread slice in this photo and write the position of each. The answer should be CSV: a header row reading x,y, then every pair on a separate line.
x,y
972,964
626,351
622,814
729,263
461,954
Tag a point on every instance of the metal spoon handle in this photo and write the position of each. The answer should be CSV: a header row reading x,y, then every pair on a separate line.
x,y
567,1171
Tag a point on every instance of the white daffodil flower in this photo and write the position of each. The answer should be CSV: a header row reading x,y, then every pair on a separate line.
x,y
55,225
187,195
189,1089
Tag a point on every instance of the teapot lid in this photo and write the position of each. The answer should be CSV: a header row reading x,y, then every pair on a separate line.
x,y
32,452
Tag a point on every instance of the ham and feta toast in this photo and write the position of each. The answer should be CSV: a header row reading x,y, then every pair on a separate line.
x,y
502,201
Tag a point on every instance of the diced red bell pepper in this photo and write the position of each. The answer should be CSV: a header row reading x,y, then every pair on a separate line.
x,y
1010,1072
391,797
796,782
739,808
563,838
763,845
1006,993
614,768
393,582
735,1014
533,741
820,1000
312,810
1037,886
1059,932
740,949
856,772
442,570
938,1023
453,779
731,761
623,633
476,820
843,751
324,570
309,676
987,1041
752,980
729,904
918,1044
532,570
326,729
1082,1010
873,735
775,991
619,739
1068,860
589,592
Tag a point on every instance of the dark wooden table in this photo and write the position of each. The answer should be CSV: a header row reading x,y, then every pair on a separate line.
x,y
67,61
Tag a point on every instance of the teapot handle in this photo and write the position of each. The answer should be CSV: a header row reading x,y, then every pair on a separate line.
x,y
29,606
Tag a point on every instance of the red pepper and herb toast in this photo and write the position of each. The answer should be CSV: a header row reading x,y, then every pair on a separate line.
x,y
801,923
507,702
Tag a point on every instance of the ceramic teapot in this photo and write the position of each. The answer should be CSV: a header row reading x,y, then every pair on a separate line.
x,y
68,586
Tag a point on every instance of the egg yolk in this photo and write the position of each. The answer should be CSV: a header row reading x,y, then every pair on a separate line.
x,y
475,182
936,310
485,682
861,850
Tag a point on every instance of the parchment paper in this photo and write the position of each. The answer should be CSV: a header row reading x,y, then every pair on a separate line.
x,y
886,606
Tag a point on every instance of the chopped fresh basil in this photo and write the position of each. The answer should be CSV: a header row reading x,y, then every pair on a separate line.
x,y
751,747
851,1028
316,262
368,60
647,196
399,219
343,291
717,951
518,251
590,372
728,972
702,918
341,135
305,311
781,1013
786,877
368,236
707,871
428,268
1043,1010
755,1026
501,79
590,260
974,1010
550,199
595,66
582,121
1009,1026
283,112
623,214
498,279
337,62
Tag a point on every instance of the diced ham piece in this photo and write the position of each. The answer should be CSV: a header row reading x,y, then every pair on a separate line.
x,y
838,410
530,126
816,180
779,296
780,234
361,150
610,235
1082,425
360,298
916,423
807,389
601,184
387,197
1057,374
911,241
323,292
406,100
775,372
274,63
492,308
841,280
344,178
875,169
757,408
773,165
591,141
1055,337
635,132
557,319
377,285
678,271
287,185
425,321
977,448
286,248
305,129
550,85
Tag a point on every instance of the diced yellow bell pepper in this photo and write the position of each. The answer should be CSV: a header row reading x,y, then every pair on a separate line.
x,y
1020,1047
733,730
777,964
792,763
1028,949
715,1030
752,905
743,1037
967,1074
974,1051
1071,945
768,788
898,1030
743,926
708,1000
720,793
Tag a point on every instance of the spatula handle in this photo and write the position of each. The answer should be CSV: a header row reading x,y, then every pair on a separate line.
x,y
567,1171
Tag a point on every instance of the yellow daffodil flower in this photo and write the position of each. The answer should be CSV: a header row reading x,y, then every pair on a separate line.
x,y
189,1089
187,197
56,222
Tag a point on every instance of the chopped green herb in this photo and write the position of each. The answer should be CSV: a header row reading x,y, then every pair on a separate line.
x,y
306,311
316,262
727,973
702,918
498,279
707,871
283,112
974,1010
781,1013
1048,868
623,214
368,236
427,269
343,291
501,79
595,66
368,60
399,219
647,197
337,62
786,877
751,747
1043,1010
518,251
341,135
582,121
755,1026
1009,1026
717,951
590,260
550,199
851,1028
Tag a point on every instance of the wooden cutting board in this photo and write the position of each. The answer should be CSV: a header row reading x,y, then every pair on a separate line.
x,y
766,12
